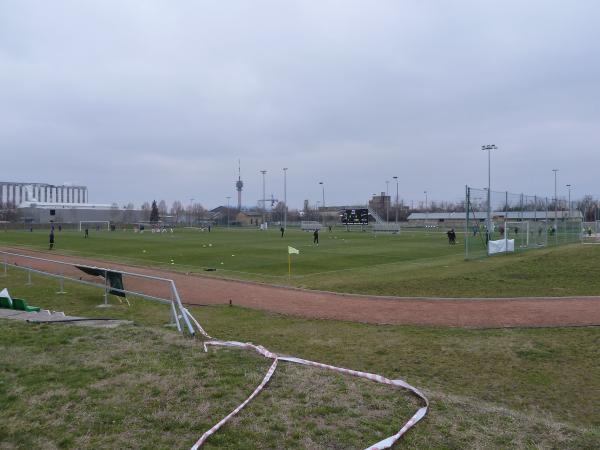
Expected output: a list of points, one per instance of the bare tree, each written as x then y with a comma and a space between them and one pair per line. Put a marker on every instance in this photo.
146, 208
177, 210
162, 208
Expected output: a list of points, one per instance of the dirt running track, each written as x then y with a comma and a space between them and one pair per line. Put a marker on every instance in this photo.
471, 312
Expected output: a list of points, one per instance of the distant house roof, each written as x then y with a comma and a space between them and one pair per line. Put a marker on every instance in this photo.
509, 215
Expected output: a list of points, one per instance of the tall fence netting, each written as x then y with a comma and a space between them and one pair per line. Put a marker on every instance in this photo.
518, 222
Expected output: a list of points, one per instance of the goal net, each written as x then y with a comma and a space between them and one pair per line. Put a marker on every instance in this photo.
519, 231
96, 225
590, 232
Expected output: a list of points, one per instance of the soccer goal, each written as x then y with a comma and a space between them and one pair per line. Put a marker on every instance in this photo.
94, 225
590, 232
519, 231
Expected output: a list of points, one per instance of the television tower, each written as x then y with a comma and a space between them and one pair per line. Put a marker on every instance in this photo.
239, 184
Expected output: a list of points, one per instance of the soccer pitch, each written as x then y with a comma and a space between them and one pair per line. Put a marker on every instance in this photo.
248, 253
413, 263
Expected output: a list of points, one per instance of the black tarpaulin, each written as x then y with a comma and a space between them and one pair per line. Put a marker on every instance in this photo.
115, 279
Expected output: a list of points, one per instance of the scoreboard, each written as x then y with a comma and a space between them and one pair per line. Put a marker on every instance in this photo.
355, 217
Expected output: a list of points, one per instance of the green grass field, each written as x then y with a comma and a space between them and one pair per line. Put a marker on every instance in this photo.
145, 386
410, 264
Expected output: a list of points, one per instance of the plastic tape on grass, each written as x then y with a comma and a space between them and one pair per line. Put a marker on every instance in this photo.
385, 443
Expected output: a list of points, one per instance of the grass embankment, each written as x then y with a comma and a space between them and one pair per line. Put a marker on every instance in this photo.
146, 386
410, 264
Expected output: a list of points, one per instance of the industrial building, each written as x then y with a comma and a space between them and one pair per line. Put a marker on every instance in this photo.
41, 212
12, 194
458, 219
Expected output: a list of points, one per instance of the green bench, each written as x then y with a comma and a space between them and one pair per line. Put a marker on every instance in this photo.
18, 304
5, 303
22, 305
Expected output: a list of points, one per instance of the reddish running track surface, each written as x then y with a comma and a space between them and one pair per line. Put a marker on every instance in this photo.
468, 312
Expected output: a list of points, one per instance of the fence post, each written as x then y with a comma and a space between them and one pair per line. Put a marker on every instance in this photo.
182, 309
61, 283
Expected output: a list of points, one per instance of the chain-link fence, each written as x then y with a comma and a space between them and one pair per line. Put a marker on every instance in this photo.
506, 222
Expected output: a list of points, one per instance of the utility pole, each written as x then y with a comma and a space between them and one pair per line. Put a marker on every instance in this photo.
285, 198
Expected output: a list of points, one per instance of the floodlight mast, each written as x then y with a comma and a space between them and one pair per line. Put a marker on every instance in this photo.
228, 197
489, 149
569, 186
387, 203
396, 178
285, 198
264, 208
555, 207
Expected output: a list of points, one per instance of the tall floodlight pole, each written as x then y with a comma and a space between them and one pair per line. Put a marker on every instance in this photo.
263, 196
387, 203
569, 186
555, 204
227, 211
489, 149
323, 189
426, 208
396, 178
190, 213
285, 198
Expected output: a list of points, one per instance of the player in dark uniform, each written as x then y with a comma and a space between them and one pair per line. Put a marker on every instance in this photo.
51, 239
316, 237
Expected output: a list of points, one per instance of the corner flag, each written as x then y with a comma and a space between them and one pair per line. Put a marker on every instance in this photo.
291, 251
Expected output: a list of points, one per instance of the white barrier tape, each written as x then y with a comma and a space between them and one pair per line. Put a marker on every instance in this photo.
200, 329
383, 444
259, 388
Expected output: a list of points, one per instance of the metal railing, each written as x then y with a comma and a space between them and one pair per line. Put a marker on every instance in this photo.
179, 313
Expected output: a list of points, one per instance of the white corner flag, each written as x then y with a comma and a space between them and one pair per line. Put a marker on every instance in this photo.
291, 251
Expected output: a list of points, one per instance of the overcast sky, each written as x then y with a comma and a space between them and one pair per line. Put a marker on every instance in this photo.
158, 99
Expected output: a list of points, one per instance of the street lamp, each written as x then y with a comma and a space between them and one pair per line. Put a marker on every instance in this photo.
227, 211
396, 178
489, 149
285, 197
263, 196
569, 186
